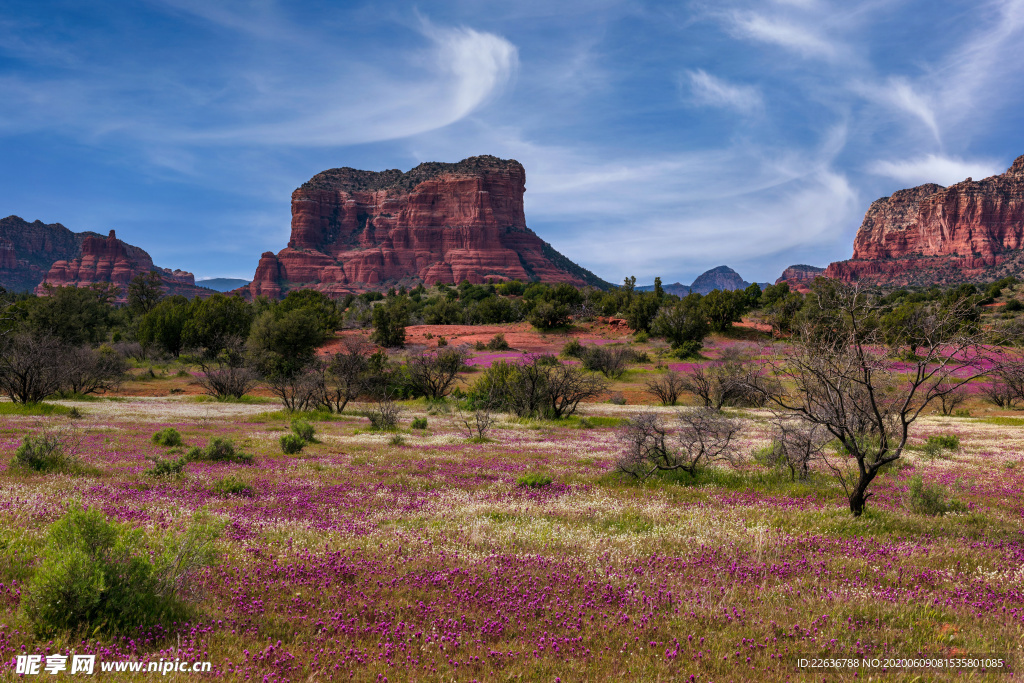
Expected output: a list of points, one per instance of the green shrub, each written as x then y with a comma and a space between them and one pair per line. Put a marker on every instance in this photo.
292, 443
219, 450
498, 343
304, 430
1013, 305
641, 337
419, 423
441, 342
929, 499
44, 453
168, 436
167, 468
480, 346
573, 349
688, 349
97, 575
534, 480
231, 486
948, 442
397, 440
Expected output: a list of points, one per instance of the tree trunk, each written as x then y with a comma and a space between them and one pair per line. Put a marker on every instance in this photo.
858, 498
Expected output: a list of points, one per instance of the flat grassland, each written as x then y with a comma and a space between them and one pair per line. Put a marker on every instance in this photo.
421, 556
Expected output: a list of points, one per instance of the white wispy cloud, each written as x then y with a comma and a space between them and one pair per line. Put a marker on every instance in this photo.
899, 94
782, 33
934, 168
709, 90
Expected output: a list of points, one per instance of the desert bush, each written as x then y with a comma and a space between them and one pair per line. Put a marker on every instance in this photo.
617, 399
703, 436
292, 443
167, 468
548, 315
950, 397
573, 349
46, 452
641, 337
384, 415
480, 346
32, 367
419, 423
539, 386
304, 430
534, 480
441, 342
929, 499
433, 373
397, 440
219, 450
666, 388
89, 370
346, 375
609, 361
231, 486
168, 436
497, 343
97, 575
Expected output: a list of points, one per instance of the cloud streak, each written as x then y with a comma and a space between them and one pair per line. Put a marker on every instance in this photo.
709, 90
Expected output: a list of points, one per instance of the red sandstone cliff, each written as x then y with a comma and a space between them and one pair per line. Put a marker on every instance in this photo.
800, 277
931, 234
108, 259
356, 230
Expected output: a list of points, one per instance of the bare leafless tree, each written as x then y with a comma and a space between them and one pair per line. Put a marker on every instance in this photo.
839, 375
702, 436
345, 376
798, 444
433, 373
1007, 386
226, 374
479, 418
91, 370
950, 400
32, 367
732, 380
568, 386
666, 388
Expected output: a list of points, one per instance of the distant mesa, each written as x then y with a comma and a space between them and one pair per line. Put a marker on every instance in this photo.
800, 276
973, 230
36, 254
354, 231
222, 284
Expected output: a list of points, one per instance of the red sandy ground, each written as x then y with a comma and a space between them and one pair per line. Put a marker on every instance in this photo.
520, 336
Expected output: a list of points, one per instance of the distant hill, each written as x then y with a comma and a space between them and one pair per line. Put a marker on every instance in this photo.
722, 277
222, 284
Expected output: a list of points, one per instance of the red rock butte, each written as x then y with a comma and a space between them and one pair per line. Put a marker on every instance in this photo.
972, 230
355, 230
108, 259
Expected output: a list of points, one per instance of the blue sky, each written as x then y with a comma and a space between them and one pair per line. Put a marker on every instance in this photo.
659, 138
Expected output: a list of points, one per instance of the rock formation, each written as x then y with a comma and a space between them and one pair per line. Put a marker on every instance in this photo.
932, 234
35, 254
108, 259
800, 276
27, 250
357, 230
722, 277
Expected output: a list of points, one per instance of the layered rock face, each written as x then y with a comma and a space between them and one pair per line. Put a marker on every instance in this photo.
27, 250
108, 259
800, 276
934, 234
357, 230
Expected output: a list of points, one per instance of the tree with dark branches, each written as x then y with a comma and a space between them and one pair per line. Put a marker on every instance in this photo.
666, 388
703, 436
840, 375
433, 373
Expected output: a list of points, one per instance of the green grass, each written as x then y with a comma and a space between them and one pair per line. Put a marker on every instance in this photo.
33, 409
1004, 421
